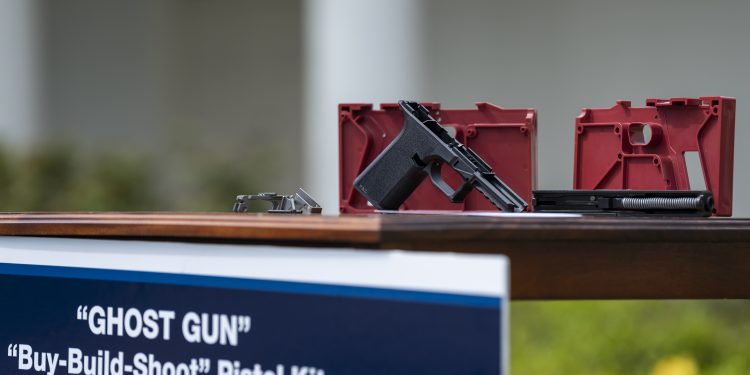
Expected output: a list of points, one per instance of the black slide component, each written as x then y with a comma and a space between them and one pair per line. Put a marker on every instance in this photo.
625, 202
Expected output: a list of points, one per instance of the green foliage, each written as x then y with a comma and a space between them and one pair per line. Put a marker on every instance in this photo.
628, 337
220, 183
57, 177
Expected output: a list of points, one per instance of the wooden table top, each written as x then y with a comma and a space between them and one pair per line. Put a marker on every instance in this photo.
551, 258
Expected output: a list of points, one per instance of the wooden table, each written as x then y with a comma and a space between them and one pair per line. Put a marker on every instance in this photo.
560, 258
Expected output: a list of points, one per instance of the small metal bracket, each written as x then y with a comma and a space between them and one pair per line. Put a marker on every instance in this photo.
298, 203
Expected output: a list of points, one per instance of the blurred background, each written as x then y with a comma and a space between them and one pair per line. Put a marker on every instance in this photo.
183, 104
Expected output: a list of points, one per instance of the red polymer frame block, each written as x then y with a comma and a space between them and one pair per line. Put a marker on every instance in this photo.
612, 149
504, 138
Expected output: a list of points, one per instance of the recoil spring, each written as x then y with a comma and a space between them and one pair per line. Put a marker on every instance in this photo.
662, 203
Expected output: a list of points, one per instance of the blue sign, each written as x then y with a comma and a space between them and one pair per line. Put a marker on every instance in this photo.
121, 308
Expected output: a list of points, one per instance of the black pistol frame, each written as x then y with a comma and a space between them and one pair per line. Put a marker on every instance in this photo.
419, 151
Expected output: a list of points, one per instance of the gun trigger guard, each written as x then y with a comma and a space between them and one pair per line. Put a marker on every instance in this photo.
436, 177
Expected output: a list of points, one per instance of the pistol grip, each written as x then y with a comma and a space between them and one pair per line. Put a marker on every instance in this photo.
391, 178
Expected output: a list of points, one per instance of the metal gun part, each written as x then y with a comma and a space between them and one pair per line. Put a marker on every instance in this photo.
298, 203
626, 202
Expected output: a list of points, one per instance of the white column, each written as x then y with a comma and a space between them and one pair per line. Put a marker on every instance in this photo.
20, 104
355, 51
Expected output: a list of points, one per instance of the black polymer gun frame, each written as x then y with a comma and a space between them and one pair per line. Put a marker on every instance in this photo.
419, 151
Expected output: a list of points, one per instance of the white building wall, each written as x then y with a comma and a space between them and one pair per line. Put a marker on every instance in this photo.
20, 105
356, 51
